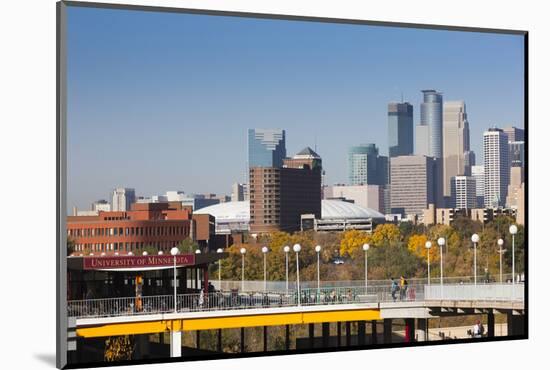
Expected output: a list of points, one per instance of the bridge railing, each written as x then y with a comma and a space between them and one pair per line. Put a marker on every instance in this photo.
479, 292
215, 301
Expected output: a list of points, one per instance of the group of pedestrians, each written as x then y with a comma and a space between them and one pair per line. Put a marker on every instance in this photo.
401, 287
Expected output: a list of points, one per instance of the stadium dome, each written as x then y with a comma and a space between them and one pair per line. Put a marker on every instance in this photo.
330, 209
338, 209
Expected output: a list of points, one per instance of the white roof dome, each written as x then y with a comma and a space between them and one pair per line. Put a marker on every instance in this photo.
338, 209
330, 209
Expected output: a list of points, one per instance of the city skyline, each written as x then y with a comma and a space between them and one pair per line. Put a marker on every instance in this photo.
134, 98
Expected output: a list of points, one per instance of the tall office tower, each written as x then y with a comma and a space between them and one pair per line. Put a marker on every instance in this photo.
469, 162
237, 192
422, 140
123, 198
478, 173
266, 147
279, 196
431, 115
363, 165
514, 133
400, 129
497, 167
413, 184
456, 142
517, 156
463, 192
516, 179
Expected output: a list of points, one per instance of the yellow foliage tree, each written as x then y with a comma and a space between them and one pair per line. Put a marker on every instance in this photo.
417, 246
385, 234
352, 240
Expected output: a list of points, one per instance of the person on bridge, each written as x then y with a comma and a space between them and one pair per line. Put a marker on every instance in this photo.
478, 329
403, 288
394, 289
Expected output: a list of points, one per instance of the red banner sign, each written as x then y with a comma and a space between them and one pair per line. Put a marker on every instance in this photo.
122, 262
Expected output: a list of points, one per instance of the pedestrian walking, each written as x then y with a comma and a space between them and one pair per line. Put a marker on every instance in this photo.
394, 289
403, 285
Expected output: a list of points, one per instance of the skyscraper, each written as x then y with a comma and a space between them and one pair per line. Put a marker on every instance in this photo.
517, 156
266, 147
363, 164
123, 198
516, 179
497, 167
478, 173
413, 184
514, 133
456, 142
463, 192
400, 129
431, 115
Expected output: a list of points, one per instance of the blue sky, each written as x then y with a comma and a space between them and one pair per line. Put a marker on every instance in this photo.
162, 101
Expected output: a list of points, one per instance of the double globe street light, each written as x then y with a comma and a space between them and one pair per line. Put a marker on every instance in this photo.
286, 249
174, 252
318, 250
297, 248
366, 249
428, 246
475, 240
264, 251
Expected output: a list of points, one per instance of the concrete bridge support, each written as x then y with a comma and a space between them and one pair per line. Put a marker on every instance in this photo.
422, 331
516, 324
374, 332
409, 330
490, 324
388, 330
326, 334
175, 344
361, 330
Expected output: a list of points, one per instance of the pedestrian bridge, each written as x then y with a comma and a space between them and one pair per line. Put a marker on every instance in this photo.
225, 310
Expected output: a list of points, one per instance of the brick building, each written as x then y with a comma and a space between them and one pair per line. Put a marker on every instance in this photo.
159, 225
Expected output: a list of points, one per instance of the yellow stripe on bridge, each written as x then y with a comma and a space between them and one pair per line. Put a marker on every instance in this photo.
229, 322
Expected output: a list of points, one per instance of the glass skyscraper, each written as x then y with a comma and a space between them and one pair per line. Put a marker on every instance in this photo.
431, 115
363, 165
266, 147
400, 129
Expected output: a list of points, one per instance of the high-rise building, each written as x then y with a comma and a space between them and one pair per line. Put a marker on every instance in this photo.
456, 142
478, 173
520, 213
362, 164
400, 129
413, 184
431, 115
463, 192
514, 133
497, 167
366, 167
516, 179
280, 195
469, 162
237, 192
266, 147
517, 156
123, 198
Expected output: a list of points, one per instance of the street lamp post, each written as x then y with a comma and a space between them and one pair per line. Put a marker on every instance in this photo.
219, 250
174, 252
286, 249
297, 249
441, 243
513, 230
318, 250
243, 252
264, 251
475, 240
366, 249
500, 243
428, 245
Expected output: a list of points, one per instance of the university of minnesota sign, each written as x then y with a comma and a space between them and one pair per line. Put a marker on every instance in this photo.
124, 262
